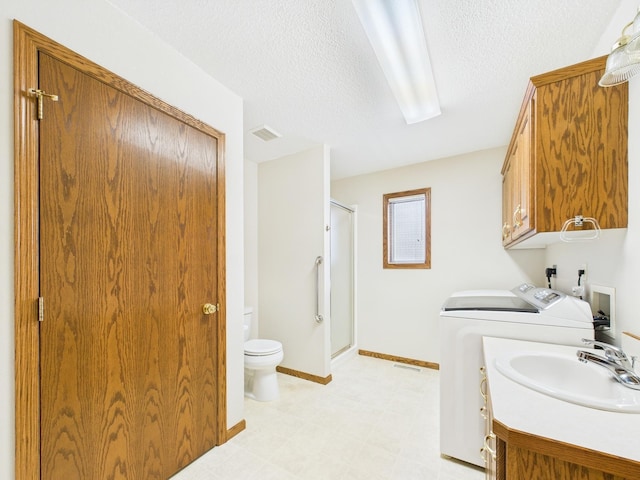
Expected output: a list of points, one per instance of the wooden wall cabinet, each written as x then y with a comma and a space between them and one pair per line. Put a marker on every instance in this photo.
567, 155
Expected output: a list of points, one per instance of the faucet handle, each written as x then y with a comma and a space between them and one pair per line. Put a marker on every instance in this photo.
610, 351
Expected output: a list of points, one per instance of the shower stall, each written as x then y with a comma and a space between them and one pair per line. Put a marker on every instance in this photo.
342, 267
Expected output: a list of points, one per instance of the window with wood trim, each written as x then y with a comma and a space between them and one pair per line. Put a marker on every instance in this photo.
407, 229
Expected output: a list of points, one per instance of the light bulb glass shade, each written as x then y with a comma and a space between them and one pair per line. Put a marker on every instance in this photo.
622, 64
624, 60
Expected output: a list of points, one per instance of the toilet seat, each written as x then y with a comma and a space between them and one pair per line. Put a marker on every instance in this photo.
261, 347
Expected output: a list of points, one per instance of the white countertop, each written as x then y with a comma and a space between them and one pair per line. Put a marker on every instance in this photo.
520, 408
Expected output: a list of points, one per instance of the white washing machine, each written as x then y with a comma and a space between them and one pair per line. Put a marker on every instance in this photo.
524, 313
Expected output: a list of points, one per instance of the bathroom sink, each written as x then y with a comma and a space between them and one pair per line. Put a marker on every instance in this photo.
563, 377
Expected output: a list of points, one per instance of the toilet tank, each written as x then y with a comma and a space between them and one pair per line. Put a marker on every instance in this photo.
248, 313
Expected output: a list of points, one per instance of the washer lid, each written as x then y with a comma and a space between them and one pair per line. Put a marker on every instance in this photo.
261, 346
489, 303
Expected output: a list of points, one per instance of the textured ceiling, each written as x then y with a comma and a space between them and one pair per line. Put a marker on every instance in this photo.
305, 68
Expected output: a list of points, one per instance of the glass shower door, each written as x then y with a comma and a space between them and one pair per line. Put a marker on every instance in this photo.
342, 279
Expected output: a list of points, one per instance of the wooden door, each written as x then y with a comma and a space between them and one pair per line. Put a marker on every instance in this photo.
128, 257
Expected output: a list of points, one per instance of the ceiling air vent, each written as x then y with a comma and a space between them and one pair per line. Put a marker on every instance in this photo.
265, 133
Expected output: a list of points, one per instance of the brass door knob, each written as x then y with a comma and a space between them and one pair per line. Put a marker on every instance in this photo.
209, 308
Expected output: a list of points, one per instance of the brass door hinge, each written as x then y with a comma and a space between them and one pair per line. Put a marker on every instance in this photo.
40, 309
40, 94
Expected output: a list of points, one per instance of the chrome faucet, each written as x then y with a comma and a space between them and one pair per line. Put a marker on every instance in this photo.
615, 360
612, 353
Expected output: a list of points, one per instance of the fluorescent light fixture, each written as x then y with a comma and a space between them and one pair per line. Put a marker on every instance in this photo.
394, 28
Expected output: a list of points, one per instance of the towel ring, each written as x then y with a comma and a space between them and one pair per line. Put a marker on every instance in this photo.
579, 221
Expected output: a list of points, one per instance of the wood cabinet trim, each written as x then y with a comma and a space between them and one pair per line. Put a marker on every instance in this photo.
524, 111
567, 452
565, 73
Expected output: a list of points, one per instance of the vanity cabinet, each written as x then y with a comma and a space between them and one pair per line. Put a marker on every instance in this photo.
521, 455
515, 455
567, 156
540, 437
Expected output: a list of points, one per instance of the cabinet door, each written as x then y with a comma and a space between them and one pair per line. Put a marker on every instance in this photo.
523, 192
488, 450
507, 202
517, 183
581, 157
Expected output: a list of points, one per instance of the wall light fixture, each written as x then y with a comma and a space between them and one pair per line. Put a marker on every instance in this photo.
624, 60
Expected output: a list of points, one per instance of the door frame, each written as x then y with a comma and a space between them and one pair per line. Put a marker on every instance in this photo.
27, 44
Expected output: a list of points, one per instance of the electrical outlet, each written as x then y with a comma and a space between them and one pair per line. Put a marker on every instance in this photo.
583, 267
550, 272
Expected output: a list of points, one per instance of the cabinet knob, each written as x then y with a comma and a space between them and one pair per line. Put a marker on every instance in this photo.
517, 217
506, 230
486, 448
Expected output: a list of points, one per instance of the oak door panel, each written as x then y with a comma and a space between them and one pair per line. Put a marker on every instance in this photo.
128, 258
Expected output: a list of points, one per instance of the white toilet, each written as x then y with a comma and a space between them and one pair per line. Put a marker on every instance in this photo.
261, 357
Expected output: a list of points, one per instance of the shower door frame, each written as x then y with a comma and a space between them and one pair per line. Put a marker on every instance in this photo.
354, 309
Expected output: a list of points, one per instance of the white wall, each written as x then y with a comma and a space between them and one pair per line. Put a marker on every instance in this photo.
251, 243
293, 211
95, 29
398, 309
614, 260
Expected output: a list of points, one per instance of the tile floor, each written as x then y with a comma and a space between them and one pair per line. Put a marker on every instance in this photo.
376, 420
